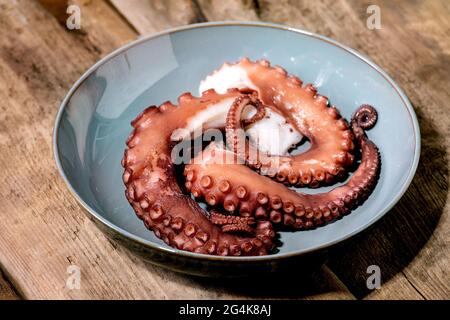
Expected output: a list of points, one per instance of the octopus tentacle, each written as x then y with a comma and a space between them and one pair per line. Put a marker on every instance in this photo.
233, 223
366, 116
235, 134
332, 147
268, 200
153, 191
250, 205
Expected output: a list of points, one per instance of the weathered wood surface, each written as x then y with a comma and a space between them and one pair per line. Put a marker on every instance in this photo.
43, 229
411, 244
7, 291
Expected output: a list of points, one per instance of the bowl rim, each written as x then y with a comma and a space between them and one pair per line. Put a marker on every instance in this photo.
169, 250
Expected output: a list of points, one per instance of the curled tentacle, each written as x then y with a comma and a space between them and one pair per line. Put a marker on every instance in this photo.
260, 112
235, 134
332, 142
153, 191
270, 200
251, 205
366, 117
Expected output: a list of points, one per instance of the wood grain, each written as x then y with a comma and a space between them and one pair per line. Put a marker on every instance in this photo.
44, 230
216, 10
411, 245
152, 16
7, 291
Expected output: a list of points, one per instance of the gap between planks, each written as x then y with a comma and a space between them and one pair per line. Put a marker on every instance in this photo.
39, 207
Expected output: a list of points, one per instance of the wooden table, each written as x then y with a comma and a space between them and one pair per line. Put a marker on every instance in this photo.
43, 230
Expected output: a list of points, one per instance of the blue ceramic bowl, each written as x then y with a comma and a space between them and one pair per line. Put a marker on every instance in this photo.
94, 121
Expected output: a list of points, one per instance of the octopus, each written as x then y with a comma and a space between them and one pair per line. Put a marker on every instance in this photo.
309, 113
246, 179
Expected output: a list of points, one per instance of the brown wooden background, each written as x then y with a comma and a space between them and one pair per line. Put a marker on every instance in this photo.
43, 230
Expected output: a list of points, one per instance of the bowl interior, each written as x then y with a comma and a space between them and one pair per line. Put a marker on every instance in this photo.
95, 119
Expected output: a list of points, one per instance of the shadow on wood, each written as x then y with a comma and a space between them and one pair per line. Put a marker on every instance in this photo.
7, 291
312, 281
395, 240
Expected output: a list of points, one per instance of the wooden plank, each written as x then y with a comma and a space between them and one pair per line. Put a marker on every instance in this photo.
411, 244
217, 10
43, 229
7, 291
156, 15
140, 15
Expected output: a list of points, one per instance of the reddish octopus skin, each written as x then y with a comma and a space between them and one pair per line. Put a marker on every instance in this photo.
241, 190
153, 192
331, 151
